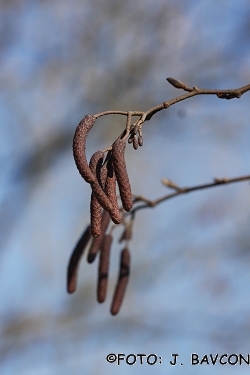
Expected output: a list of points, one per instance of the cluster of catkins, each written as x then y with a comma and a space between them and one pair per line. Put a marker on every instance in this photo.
102, 175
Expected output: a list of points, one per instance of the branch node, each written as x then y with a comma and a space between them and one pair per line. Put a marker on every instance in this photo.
166, 104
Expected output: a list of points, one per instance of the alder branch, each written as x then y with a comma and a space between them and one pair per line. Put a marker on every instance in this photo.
102, 175
145, 116
182, 190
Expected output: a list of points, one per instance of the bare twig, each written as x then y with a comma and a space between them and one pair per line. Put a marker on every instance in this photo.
222, 94
179, 190
146, 116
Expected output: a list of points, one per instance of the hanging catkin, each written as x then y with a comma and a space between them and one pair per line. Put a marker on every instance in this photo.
95, 165
135, 143
103, 268
97, 242
110, 189
79, 147
75, 260
118, 151
122, 281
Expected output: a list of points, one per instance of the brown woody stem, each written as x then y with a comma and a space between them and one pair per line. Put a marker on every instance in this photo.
217, 182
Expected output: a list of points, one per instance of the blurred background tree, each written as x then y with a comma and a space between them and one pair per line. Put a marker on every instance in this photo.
188, 292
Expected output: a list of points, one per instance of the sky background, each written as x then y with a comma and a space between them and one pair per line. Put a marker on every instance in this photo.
189, 286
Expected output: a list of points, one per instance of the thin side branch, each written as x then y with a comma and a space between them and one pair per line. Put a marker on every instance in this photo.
145, 116
147, 203
222, 94
125, 113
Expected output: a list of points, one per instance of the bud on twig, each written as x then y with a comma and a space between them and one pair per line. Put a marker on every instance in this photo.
170, 184
176, 83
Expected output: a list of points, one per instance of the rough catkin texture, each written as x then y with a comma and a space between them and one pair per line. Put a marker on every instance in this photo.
95, 216
120, 169
135, 143
103, 175
140, 140
95, 165
122, 282
97, 242
110, 189
75, 260
79, 147
134, 130
103, 268
101, 196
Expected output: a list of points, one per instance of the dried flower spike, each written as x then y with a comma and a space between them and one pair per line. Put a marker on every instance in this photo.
110, 189
97, 242
103, 268
118, 150
75, 260
135, 143
122, 281
79, 147
95, 165
95, 216
140, 140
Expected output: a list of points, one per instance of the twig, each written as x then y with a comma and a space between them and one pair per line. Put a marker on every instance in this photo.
222, 94
152, 203
145, 116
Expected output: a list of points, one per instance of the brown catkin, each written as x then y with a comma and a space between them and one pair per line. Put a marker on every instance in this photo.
79, 147
103, 268
135, 143
101, 196
95, 165
118, 150
134, 130
110, 189
140, 140
75, 260
122, 281
95, 216
130, 140
97, 242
